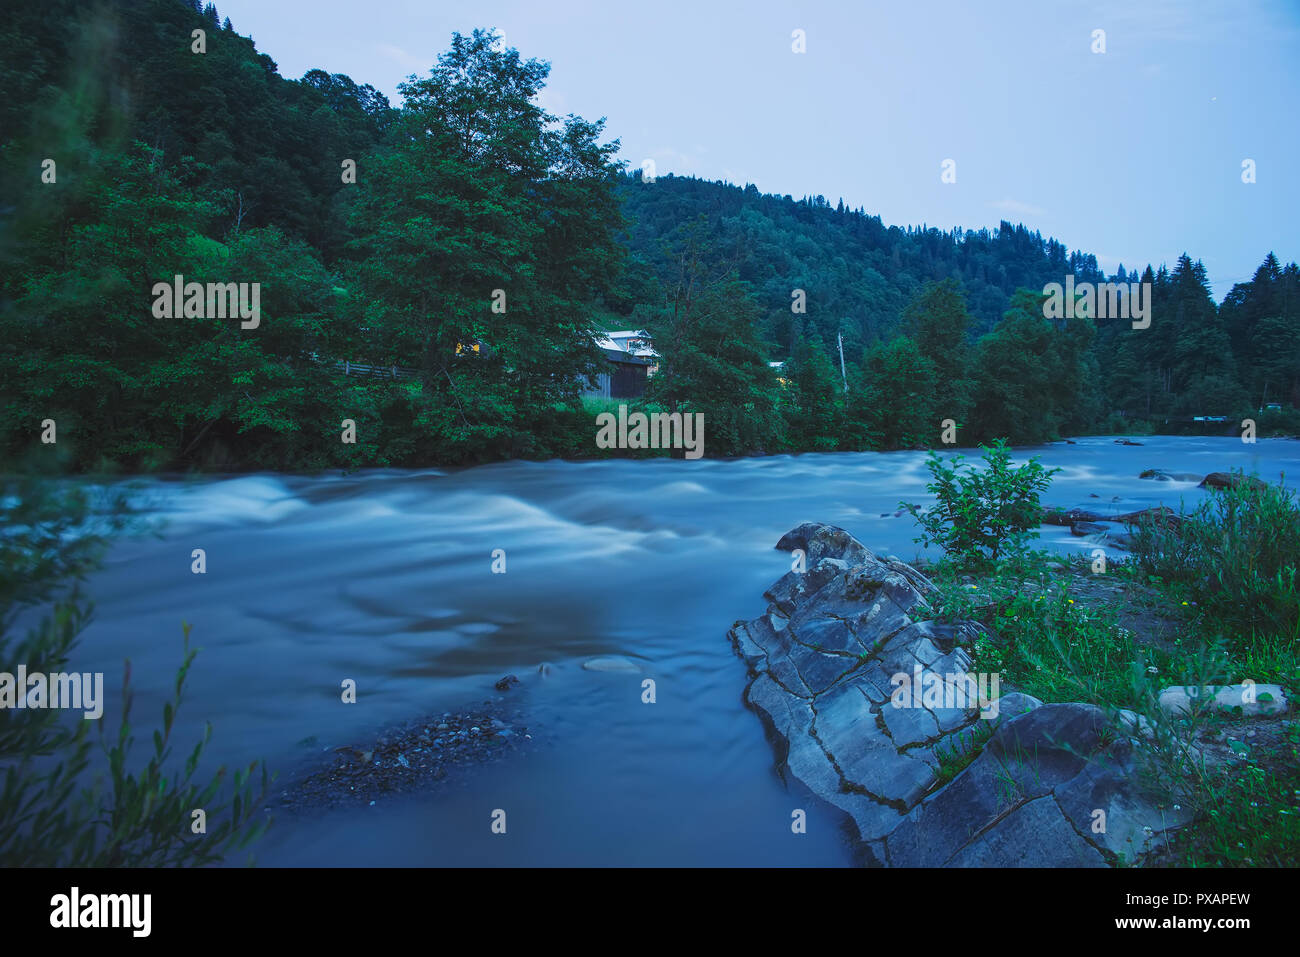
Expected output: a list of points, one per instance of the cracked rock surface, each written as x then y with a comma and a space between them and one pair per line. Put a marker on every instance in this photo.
822, 657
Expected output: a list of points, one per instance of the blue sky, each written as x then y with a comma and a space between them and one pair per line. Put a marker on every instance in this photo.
1134, 154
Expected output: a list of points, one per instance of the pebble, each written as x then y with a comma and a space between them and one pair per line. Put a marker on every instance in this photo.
405, 759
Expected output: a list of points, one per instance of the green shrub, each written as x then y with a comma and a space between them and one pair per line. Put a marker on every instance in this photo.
982, 515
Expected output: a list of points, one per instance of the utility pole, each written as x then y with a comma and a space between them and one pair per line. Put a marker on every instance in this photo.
843, 375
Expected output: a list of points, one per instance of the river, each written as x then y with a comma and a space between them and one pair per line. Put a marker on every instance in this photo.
386, 577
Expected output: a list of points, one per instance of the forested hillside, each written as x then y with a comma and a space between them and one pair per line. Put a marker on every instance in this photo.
398, 236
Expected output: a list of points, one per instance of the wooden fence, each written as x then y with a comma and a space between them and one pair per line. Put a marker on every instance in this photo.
390, 372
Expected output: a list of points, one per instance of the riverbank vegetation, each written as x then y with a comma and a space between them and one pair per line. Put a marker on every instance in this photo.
73, 794
403, 237
1207, 599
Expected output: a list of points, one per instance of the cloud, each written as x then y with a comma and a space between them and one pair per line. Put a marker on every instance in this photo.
1017, 208
669, 160
553, 101
404, 59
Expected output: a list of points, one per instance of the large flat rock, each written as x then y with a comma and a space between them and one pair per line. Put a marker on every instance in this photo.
865, 696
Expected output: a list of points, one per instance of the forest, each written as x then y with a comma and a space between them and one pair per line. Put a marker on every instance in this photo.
398, 235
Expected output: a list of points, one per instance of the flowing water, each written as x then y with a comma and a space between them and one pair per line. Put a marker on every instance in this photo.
386, 577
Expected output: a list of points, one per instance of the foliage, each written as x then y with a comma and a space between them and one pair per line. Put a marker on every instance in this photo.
713, 363
211, 167
983, 514
1033, 377
55, 810
1237, 553
1050, 635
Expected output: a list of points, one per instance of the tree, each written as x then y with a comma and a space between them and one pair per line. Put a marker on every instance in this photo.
937, 321
713, 361
1202, 350
898, 400
816, 394
487, 221
1031, 372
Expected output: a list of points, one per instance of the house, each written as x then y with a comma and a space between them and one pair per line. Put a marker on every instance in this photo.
630, 362
635, 342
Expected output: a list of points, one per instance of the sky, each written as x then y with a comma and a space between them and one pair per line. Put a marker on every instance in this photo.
1134, 154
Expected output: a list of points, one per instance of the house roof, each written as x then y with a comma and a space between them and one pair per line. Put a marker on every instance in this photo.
627, 358
610, 340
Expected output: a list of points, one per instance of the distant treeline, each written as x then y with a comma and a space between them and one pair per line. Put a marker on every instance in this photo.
134, 150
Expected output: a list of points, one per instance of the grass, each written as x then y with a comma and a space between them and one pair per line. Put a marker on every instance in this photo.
955, 759
1211, 599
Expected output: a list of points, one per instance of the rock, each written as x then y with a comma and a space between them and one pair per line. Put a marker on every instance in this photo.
1126, 442
1134, 724
1253, 700
1160, 475
1221, 480
506, 683
1080, 529
1161, 516
1068, 517
864, 696
819, 541
612, 664
1015, 704
1031, 798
